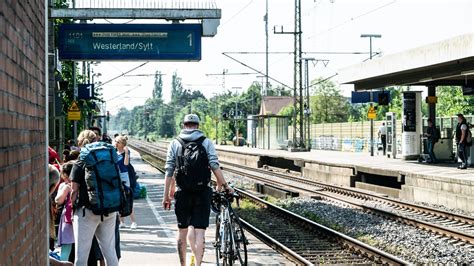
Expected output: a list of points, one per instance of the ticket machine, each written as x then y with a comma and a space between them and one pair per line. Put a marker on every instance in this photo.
411, 125
391, 123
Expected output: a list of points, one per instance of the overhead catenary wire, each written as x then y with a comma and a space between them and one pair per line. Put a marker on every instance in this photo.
123, 74
237, 13
254, 69
123, 93
352, 19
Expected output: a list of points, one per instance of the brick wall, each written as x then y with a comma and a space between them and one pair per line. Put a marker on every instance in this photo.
23, 208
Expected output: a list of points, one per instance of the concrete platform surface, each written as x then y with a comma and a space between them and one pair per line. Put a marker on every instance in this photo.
154, 241
378, 164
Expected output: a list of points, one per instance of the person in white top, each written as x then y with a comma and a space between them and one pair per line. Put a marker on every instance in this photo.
383, 136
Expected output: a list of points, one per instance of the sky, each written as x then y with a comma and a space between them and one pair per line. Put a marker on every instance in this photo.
329, 28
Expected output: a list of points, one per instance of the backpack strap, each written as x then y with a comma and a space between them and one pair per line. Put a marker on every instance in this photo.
179, 156
99, 185
200, 140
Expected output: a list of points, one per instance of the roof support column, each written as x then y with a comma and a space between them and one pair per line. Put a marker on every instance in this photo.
432, 106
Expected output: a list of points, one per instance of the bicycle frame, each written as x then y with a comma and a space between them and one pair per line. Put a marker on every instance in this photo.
226, 244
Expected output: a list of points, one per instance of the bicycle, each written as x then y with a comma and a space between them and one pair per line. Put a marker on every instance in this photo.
230, 244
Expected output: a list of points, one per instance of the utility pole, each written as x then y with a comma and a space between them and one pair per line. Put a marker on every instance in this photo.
307, 109
266, 48
236, 117
216, 116
74, 85
307, 104
370, 36
299, 143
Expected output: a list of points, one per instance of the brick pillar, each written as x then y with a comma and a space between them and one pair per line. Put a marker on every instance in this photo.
23, 207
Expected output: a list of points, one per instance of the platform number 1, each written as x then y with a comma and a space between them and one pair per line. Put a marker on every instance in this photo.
190, 37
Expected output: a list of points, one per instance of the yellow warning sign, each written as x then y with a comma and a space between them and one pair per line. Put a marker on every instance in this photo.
74, 113
74, 107
371, 114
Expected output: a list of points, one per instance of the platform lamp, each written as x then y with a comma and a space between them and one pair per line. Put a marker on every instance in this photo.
370, 36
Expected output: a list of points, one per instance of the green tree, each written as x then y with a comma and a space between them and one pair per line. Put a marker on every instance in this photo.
451, 101
328, 104
158, 86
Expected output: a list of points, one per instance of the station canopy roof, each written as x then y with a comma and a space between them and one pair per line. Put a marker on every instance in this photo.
449, 62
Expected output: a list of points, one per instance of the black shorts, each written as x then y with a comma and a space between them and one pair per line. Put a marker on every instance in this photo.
193, 208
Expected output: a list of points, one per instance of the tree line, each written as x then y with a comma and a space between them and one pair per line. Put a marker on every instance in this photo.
157, 119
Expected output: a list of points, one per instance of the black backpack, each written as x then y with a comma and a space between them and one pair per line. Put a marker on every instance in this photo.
192, 166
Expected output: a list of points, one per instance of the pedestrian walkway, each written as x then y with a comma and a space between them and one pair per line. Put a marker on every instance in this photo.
154, 241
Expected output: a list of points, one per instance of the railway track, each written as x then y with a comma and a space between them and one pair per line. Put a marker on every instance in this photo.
297, 238
305, 241
447, 224
458, 227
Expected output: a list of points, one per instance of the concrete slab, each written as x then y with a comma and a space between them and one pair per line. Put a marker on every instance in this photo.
442, 183
379, 165
154, 241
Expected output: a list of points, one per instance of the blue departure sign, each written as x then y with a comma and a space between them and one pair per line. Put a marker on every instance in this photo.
381, 97
169, 42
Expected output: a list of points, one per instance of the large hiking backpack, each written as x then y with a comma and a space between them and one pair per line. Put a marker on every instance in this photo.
192, 164
104, 186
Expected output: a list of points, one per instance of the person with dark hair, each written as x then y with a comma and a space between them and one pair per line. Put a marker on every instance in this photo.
383, 136
433, 137
63, 197
73, 155
461, 140
97, 132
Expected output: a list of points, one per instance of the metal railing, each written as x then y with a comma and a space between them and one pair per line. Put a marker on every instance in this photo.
150, 4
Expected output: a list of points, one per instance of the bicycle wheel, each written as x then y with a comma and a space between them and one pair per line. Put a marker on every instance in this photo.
240, 242
218, 243
229, 250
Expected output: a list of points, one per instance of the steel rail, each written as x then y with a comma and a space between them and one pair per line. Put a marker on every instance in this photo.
334, 193
348, 243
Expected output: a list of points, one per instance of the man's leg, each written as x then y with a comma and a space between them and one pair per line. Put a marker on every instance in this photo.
384, 142
430, 151
463, 155
181, 245
192, 239
105, 234
84, 228
200, 245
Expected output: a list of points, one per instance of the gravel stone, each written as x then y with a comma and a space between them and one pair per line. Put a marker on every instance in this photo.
407, 242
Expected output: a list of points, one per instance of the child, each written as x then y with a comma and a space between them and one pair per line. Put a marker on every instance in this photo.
65, 232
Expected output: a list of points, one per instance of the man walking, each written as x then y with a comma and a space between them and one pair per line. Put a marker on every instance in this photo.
190, 159
383, 136
433, 137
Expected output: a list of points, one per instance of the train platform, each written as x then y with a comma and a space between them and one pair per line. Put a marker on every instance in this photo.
440, 183
154, 240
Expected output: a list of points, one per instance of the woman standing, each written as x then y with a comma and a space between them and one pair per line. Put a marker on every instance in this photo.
123, 162
461, 140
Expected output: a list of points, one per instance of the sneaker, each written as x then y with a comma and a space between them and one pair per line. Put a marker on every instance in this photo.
133, 225
122, 225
